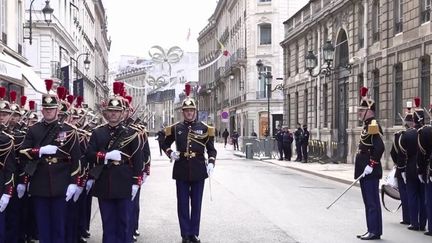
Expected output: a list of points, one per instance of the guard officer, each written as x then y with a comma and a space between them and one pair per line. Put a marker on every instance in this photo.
115, 151
408, 142
279, 140
287, 140
305, 143
192, 139
52, 154
298, 136
7, 156
368, 166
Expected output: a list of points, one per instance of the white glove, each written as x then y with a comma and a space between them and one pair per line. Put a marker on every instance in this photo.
112, 155
77, 194
174, 156
368, 170
4, 201
403, 174
47, 149
21, 189
89, 185
210, 168
71, 190
421, 179
134, 191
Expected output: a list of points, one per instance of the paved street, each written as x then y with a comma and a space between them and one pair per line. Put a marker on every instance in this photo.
255, 201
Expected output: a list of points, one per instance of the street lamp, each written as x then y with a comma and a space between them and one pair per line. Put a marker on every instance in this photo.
268, 82
87, 62
312, 61
47, 12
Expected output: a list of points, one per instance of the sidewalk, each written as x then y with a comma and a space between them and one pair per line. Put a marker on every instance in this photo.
343, 173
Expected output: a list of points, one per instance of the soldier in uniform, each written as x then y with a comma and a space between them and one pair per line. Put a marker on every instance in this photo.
401, 178
408, 142
192, 139
52, 153
15, 212
32, 117
287, 140
7, 157
115, 151
425, 164
368, 166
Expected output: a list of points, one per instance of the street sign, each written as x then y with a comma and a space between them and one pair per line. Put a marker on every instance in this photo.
225, 116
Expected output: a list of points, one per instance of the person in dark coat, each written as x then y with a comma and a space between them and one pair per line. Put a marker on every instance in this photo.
225, 136
298, 136
160, 137
287, 139
305, 143
235, 137
368, 166
192, 138
279, 141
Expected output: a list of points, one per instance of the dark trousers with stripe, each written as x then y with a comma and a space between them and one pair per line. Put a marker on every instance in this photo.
72, 216
416, 202
404, 200
189, 196
85, 213
2, 227
14, 211
51, 219
134, 215
370, 193
115, 214
429, 204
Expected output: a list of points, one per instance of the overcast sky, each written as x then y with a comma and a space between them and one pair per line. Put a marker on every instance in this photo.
136, 25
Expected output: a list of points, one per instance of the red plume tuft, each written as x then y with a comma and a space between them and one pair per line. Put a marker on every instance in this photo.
226, 53
79, 102
32, 105
188, 89
70, 99
48, 84
23, 100
363, 91
417, 102
2, 92
129, 98
117, 88
13, 96
61, 92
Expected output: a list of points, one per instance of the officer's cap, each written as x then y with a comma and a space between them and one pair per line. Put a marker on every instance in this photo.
4, 104
366, 102
49, 100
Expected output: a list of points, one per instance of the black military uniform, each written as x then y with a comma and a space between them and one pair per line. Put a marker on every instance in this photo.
408, 142
115, 180
287, 140
395, 154
53, 153
368, 167
192, 139
7, 159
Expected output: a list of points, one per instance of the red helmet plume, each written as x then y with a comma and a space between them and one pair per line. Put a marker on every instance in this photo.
188, 89
117, 88
23, 100
13, 96
61, 92
48, 84
2, 92
363, 91
70, 99
79, 102
417, 102
32, 105
129, 98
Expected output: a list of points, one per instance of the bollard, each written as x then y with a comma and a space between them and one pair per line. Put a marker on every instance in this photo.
249, 151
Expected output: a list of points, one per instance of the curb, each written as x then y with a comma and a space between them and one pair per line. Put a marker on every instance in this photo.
333, 178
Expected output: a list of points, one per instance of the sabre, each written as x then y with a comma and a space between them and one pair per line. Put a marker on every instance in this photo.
210, 189
343, 193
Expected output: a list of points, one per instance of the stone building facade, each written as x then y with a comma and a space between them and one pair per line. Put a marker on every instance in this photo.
249, 31
384, 45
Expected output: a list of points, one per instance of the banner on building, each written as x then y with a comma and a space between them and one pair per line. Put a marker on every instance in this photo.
64, 74
203, 115
78, 87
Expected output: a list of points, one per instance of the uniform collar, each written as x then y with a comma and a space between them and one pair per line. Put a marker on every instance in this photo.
188, 123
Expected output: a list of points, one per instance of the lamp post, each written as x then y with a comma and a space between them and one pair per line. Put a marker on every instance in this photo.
47, 12
86, 62
268, 82
312, 61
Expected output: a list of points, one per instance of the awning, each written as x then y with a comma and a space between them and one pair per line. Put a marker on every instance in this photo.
10, 67
33, 79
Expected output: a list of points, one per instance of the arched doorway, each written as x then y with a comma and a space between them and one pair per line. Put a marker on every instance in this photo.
341, 94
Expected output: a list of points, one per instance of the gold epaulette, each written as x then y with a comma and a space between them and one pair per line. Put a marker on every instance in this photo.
373, 128
168, 129
210, 129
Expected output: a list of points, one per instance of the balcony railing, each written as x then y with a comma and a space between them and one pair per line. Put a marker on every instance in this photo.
219, 73
235, 58
226, 103
236, 100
